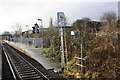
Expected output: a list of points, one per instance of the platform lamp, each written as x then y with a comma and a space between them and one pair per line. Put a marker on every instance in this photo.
74, 33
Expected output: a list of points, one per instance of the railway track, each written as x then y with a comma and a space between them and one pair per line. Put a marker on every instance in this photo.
20, 67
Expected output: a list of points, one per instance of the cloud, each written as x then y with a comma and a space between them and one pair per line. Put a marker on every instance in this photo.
28, 11
87, 0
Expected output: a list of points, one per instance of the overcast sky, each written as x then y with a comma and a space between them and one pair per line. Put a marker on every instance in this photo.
26, 12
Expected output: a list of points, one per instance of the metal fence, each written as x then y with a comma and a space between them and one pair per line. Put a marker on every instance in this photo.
29, 41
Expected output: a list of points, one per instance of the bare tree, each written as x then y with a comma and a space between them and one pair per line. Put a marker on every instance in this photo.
108, 18
17, 29
109, 27
67, 21
81, 24
51, 23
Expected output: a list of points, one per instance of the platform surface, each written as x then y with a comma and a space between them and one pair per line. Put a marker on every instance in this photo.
0, 61
35, 53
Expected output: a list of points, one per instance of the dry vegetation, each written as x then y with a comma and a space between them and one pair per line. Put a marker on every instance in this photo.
101, 47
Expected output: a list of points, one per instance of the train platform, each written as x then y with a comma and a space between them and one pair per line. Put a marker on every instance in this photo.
35, 53
0, 61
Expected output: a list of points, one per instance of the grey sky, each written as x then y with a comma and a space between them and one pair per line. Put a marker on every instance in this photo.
26, 12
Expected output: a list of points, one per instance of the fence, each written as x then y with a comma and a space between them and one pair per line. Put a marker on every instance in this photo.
29, 41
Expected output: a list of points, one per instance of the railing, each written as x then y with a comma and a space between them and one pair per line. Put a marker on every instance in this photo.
29, 41
82, 65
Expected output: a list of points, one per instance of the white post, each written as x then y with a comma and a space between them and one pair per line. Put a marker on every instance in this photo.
66, 55
62, 48
81, 55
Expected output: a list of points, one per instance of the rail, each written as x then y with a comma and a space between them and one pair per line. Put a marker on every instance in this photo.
21, 68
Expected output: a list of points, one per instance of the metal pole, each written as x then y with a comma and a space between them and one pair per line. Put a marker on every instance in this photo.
66, 55
42, 27
15, 36
27, 34
42, 44
81, 55
28, 30
62, 49
36, 40
42, 32
61, 23
21, 34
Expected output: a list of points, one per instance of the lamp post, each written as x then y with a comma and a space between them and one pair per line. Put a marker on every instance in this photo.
27, 31
27, 34
73, 33
42, 42
21, 34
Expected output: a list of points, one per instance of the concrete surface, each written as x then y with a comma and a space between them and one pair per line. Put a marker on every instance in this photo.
0, 61
35, 53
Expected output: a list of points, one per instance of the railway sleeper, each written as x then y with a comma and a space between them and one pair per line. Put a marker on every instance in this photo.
22, 70
23, 76
20, 64
19, 67
27, 73
34, 78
